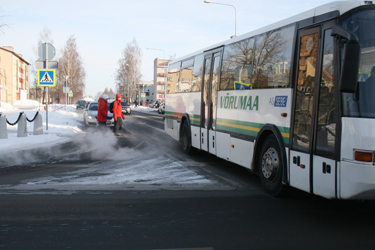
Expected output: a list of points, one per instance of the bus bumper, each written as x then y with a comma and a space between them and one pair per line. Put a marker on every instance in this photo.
356, 181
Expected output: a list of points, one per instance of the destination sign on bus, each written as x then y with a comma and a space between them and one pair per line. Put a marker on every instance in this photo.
240, 102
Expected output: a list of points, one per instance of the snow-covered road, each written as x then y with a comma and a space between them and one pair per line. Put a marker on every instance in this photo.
111, 167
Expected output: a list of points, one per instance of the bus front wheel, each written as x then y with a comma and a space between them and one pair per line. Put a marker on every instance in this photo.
271, 166
186, 139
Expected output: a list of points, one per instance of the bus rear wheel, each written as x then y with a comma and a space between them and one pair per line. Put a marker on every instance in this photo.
271, 166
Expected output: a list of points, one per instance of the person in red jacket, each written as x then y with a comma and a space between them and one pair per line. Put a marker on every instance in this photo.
102, 112
117, 114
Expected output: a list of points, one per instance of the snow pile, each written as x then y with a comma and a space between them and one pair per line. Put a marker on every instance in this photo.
26, 104
63, 122
6, 107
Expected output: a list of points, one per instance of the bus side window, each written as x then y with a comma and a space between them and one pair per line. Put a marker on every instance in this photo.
326, 129
173, 77
259, 62
197, 73
235, 67
272, 58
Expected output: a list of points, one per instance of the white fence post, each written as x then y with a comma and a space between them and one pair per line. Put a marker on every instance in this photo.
22, 126
38, 125
3, 127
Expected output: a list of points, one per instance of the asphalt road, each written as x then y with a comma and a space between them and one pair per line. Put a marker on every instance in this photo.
42, 208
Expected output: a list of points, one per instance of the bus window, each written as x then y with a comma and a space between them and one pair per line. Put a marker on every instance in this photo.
173, 77
262, 64
206, 91
186, 76
326, 129
273, 53
362, 103
197, 73
214, 88
237, 61
305, 91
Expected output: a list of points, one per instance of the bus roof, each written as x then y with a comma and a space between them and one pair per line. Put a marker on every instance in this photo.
340, 6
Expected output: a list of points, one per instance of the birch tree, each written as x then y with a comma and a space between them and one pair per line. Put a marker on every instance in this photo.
71, 67
128, 74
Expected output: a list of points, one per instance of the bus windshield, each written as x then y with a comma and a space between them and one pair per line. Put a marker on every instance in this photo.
362, 103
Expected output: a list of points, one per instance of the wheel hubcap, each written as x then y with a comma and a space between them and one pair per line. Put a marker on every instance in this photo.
270, 164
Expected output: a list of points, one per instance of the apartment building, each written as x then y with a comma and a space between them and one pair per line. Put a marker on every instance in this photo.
160, 76
14, 76
145, 91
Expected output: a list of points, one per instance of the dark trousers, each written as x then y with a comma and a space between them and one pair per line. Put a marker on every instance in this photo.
102, 127
118, 124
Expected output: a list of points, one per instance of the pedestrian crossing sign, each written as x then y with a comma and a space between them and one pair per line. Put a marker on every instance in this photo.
46, 77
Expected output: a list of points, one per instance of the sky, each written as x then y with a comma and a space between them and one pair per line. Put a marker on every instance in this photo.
103, 28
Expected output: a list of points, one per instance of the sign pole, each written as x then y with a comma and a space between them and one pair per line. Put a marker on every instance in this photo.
46, 77
66, 92
47, 89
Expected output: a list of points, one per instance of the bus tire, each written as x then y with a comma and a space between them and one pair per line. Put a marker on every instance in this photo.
186, 139
271, 166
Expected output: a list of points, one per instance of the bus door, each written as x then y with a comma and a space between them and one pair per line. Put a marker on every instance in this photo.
210, 88
312, 159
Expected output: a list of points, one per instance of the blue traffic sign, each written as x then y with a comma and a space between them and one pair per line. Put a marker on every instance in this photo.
46, 77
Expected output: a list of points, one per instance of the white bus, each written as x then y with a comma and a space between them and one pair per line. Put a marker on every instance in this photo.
293, 102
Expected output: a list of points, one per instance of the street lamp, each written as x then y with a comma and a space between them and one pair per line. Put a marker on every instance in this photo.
235, 14
157, 49
66, 90
143, 91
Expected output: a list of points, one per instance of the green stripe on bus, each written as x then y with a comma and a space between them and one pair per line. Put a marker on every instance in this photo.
195, 119
171, 115
248, 128
236, 126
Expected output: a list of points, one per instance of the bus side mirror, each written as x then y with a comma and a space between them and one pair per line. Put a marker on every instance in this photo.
350, 61
350, 67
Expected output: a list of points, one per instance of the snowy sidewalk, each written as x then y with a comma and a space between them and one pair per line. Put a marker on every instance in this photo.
63, 123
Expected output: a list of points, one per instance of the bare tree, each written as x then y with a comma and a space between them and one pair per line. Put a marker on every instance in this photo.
71, 66
45, 36
109, 92
2, 25
128, 74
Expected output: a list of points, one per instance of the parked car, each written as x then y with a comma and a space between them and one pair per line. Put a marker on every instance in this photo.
81, 104
90, 114
125, 108
151, 104
161, 108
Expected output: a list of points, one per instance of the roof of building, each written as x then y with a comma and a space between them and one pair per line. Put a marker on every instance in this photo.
9, 49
